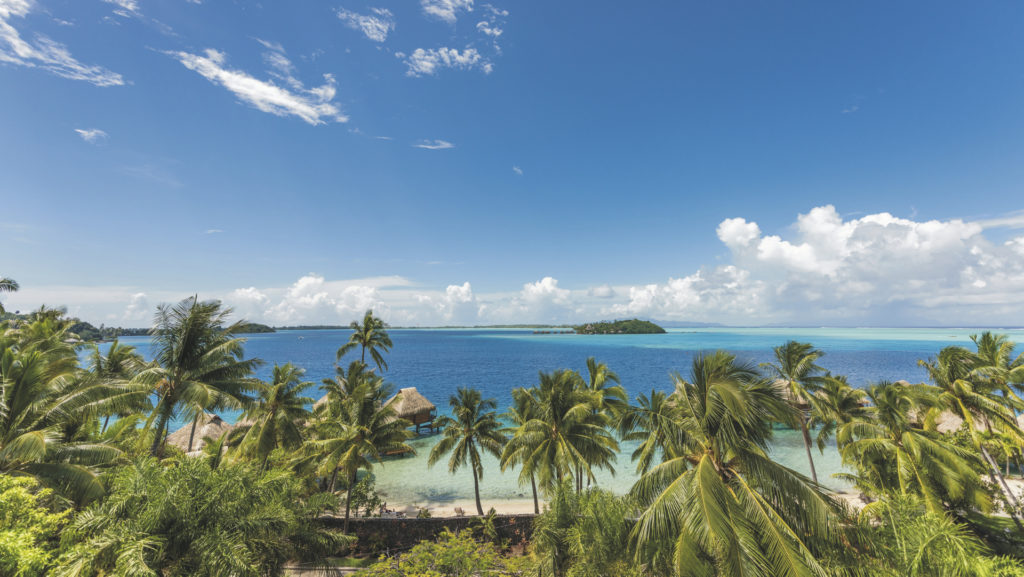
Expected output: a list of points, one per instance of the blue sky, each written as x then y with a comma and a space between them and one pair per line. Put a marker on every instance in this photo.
568, 160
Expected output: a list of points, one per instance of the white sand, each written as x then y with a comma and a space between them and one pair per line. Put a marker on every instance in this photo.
468, 506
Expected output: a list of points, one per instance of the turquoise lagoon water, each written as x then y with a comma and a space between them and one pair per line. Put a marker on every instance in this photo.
437, 361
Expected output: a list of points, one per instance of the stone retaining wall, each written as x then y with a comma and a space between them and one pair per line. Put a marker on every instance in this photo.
383, 535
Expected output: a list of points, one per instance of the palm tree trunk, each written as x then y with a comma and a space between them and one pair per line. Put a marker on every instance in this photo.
536, 506
348, 500
161, 425
105, 423
192, 433
334, 478
807, 447
1013, 506
476, 492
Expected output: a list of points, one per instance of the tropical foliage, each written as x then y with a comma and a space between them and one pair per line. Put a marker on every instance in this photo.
192, 519
28, 527
355, 429
370, 335
199, 364
474, 428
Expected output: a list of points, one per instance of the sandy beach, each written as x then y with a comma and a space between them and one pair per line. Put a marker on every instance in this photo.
468, 506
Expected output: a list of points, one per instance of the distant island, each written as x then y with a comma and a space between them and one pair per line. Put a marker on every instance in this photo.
630, 327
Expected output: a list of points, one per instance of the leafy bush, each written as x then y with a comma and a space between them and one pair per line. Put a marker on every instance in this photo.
452, 555
28, 528
191, 519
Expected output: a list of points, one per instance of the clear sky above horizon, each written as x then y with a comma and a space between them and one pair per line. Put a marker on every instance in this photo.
461, 162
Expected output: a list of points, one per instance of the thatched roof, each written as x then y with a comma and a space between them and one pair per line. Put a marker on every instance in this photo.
209, 426
320, 402
782, 387
408, 402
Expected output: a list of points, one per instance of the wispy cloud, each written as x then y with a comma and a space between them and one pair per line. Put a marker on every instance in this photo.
489, 28
851, 109
517, 170
446, 10
375, 26
125, 8
314, 105
434, 144
1012, 220
92, 135
44, 53
427, 62
213, 231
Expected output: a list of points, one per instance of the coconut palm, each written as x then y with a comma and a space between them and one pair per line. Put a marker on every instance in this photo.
611, 398
371, 335
725, 506
996, 367
565, 433
356, 428
475, 427
199, 366
120, 364
45, 403
796, 372
652, 422
837, 404
893, 456
276, 420
523, 409
7, 285
953, 373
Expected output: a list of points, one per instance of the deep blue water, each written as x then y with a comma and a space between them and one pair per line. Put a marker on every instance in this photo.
496, 361
436, 362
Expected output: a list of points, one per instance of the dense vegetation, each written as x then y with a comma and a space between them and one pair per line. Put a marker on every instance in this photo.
626, 327
90, 486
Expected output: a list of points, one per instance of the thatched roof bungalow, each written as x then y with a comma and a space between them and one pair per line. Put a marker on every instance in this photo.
209, 425
410, 405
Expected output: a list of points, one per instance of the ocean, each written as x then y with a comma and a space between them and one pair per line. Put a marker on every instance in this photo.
495, 361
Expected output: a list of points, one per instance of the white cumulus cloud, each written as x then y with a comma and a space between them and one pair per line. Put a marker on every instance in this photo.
446, 10
877, 269
44, 53
374, 26
427, 62
314, 105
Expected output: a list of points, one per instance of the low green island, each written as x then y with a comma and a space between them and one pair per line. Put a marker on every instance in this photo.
626, 327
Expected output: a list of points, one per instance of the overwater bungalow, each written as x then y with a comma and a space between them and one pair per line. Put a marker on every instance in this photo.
410, 405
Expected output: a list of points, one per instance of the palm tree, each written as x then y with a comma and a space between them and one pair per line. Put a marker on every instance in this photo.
475, 427
372, 335
200, 365
726, 507
795, 370
523, 409
652, 422
120, 364
954, 373
356, 428
565, 433
611, 398
997, 368
277, 418
7, 285
45, 402
837, 404
892, 456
